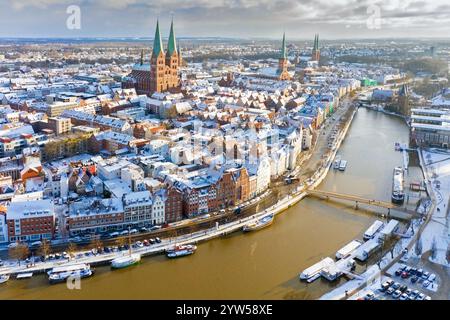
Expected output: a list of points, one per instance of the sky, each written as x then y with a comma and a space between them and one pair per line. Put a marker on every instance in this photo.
300, 19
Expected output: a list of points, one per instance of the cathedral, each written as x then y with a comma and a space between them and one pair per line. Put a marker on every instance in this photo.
162, 73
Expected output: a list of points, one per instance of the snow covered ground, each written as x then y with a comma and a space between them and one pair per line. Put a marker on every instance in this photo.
437, 165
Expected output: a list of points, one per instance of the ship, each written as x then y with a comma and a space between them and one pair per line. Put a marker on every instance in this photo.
259, 224
4, 278
181, 251
62, 274
398, 194
337, 162
125, 261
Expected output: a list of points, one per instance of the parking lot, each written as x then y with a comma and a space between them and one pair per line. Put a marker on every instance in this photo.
404, 282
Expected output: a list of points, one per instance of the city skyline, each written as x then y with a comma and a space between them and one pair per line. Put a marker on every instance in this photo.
227, 18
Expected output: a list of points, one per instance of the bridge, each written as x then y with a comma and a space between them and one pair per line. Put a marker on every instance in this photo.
377, 203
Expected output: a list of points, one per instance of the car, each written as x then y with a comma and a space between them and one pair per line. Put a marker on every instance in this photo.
158, 240
396, 285
58, 256
403, 288
114, 234
426, 283
369, 296
413, 271
432, 277
124, 233
419, 272
425, 275
122, 248
384, 286
405, 275
427, 298
415, 293
404, 296
139, 244
390, 290
155, 228
396, 294
106, 250
143, 230
152, 241
407, 269
414, 279
421, 296
398, 272
146, 243
133, 231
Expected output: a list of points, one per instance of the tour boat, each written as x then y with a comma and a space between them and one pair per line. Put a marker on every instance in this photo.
181, 251
261, 223
342, 165
61, 274
398, 194
125, 261
4, 278
337, 162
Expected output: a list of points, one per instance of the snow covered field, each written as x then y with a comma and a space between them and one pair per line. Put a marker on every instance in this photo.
437, 165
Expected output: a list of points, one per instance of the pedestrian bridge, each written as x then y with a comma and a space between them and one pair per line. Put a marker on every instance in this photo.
358, 200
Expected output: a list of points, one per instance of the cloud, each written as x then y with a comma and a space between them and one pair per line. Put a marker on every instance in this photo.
236, 17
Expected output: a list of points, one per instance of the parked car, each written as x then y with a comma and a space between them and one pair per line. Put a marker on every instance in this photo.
396, 294
421, 296
398, 272
403, 288
146, 243
133, 231
404, 296
405, 275
414, 279
143, 230
426, 283
124, 233
415, 293
419, 272
390, 290
396, 285
369, 296
152, 241
432, 277
139, 244
158, 240
425, 275
155, 228
427, 298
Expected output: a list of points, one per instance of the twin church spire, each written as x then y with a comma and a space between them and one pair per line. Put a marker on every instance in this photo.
158, 44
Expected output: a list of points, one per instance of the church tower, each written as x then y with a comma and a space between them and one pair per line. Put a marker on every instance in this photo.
316, 50
283, 73
157, 64
172, 60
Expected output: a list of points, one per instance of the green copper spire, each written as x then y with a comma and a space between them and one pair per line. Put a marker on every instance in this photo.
283, 48
172, 45
157, 42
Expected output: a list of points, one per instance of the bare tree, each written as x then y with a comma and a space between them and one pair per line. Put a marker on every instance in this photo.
72, 248
19, 252
418, 247
44, 249
447, 255
433, 249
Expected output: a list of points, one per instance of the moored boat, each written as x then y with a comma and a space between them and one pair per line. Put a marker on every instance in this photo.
61, 274
259, 224
181, 251
337, 162
398, 194
4, 278
125, 261
342, 165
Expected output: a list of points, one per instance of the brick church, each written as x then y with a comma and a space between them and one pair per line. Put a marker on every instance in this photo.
162, 73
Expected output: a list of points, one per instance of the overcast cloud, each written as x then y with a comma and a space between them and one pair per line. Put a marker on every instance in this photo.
229, 18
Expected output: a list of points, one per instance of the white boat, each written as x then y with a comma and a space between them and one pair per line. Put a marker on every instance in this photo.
373, 229
348, 249
343, 165
261, 223
4, 278
366, 249
181, 251
25, 275
125, 261
61, 274
337, 162
315, 270
398, 193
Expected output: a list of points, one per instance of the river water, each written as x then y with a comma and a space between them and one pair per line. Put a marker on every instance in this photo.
263, 264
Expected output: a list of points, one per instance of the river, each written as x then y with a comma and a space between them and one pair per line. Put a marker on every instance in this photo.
263, 264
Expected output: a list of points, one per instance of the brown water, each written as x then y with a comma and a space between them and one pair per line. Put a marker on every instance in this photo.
263, 264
